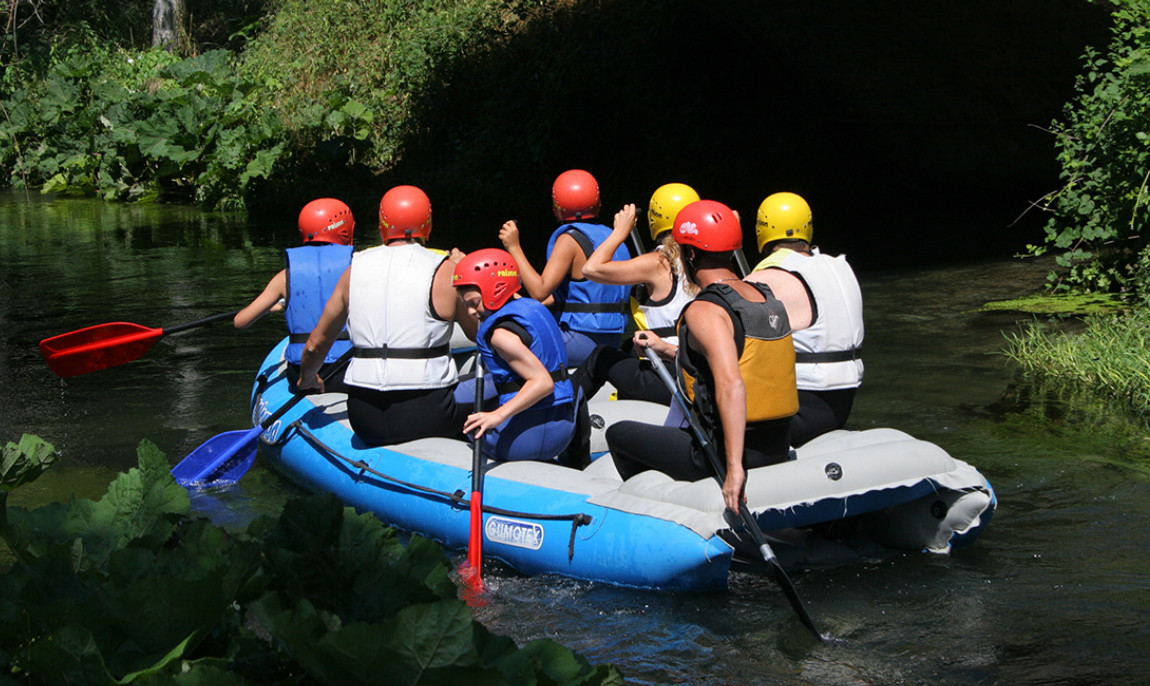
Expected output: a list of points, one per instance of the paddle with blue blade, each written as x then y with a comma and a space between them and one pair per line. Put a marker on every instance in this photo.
107, 345
224, 458
749, 521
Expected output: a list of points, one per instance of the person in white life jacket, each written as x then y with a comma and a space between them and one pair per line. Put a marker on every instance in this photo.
589, 313
659, 291
824, 302
399, 306
522, 347
301, 289
736, 365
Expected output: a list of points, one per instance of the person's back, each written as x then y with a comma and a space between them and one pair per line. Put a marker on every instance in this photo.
659, 292
829, 368
399, 307
735, 358
302, 288
401, 342
589, 313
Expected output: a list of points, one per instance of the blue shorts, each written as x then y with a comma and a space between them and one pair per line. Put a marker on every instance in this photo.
580, 344
537, 433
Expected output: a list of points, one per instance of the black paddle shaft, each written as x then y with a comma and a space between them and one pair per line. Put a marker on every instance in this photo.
200, 322
708, 447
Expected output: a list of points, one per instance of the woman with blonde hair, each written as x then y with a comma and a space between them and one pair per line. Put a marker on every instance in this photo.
659, 293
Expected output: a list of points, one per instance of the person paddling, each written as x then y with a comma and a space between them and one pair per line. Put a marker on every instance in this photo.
736, 363
301, 289
589, 313
399, 307
522, 346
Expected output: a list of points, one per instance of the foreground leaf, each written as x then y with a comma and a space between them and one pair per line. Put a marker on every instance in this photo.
140, 507
24, 462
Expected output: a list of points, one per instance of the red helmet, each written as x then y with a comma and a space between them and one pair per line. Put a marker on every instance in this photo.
326, 220
575, 195
404, 212
708, 225
495, 273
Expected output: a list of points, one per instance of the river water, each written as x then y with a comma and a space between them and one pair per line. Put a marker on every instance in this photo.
1055, 591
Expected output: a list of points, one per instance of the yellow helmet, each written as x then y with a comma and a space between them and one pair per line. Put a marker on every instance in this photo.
666, 202
783, 216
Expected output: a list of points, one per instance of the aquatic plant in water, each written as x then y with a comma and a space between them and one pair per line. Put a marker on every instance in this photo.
1111, 357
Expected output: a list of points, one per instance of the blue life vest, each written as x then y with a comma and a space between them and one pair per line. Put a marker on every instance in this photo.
583, 305
546, 344
312, 273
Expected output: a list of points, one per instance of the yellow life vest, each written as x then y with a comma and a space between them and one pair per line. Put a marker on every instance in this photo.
766, 356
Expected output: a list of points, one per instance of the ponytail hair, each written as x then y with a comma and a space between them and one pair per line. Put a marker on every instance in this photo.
669, 249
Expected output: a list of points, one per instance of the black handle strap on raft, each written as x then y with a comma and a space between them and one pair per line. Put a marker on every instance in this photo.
577, 520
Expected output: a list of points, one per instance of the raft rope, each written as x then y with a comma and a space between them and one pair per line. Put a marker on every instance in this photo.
577, 520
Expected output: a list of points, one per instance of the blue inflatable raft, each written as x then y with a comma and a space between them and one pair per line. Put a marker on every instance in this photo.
883, 488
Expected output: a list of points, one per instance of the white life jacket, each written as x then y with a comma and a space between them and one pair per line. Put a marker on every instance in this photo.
828, 352
661, 316
400, 342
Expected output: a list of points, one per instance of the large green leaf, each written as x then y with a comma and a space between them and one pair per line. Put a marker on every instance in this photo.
350, 564
141, 506
204, 69
24, 462
545, 661
69, 656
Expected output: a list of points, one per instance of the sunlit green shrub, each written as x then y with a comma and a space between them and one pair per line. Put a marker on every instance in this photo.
140, 130
351, 71
1101, 215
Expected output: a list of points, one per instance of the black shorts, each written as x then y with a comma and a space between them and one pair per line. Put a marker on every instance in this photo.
389, 417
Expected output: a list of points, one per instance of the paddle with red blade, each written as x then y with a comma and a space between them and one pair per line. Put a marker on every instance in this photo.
224, 458
472, 570
108, 345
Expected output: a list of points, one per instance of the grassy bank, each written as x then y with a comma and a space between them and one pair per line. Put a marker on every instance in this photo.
1110, 357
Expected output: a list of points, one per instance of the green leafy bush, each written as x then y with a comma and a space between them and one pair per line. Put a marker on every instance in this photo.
129, 589
321, 90
1101, 215
181, 129
349, 72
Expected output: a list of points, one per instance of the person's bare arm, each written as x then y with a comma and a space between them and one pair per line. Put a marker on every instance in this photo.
650, 268
446, 299
537, 383
266, 301
654, 343
714, 334
558, 267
